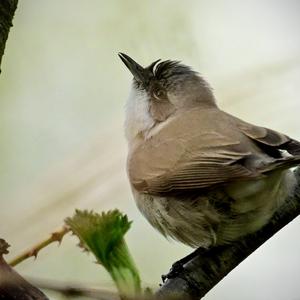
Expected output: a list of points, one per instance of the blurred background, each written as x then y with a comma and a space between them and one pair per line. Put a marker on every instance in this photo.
63, 91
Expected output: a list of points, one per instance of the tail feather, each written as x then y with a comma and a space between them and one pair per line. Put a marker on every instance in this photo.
293, 147
281, 163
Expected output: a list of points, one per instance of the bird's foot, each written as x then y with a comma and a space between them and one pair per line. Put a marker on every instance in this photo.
175, 270
178, 267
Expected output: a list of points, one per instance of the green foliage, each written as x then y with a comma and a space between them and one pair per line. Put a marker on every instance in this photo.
103, 235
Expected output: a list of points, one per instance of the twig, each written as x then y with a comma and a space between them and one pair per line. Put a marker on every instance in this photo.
202, 273
74, 290
56, 236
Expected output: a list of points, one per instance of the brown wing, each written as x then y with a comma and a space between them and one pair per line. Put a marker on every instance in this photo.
204, 149
183, 169
196, 154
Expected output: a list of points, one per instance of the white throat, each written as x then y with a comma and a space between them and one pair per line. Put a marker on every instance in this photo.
138, 118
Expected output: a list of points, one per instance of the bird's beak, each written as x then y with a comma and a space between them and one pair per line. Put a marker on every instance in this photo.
138, 72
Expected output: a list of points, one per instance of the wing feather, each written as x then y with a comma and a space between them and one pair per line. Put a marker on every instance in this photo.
273, 140
212, 153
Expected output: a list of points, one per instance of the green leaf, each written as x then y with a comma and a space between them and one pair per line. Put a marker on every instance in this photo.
103, 235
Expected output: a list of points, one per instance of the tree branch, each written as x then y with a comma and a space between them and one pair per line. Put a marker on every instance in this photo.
7, 11
12, 285
202, 273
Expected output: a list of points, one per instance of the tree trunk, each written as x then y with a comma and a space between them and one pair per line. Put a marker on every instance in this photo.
7, 11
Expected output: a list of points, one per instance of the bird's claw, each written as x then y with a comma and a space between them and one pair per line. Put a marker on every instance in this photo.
176, 269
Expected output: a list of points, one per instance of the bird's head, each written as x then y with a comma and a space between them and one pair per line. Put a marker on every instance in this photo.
161, 90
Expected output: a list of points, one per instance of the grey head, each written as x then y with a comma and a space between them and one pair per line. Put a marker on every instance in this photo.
164, 88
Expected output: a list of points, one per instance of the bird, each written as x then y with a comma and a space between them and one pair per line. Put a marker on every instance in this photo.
198, 174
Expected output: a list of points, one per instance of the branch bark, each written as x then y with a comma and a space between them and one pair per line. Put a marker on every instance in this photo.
202, 273
7, 11
12, 285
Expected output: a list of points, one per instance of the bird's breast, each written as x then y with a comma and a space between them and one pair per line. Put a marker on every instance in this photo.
190, 221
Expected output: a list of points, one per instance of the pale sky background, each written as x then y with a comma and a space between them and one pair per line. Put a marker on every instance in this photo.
63, 90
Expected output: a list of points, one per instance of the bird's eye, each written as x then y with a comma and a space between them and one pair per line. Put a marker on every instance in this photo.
158, 94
